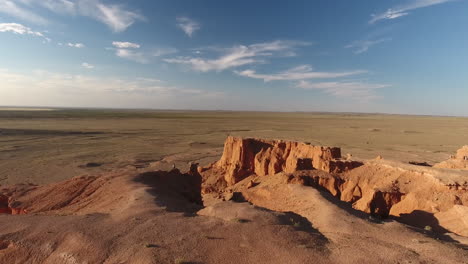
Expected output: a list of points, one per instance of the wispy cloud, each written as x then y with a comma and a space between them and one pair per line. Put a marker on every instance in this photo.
76, 45
132, 55
12, 8
57, 6
189, 26
127, 51
131, 51
53, 83
87, 65
57, 89
117, 17
239, 55
403, 10
163, 51
362, 46
302, 72
125, 45
336, 87
16, 28
350, 89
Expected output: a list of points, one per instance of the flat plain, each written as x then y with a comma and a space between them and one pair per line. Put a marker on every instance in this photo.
47, 146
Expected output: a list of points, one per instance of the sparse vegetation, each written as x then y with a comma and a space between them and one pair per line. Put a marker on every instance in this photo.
240, 220
179, 261
150, 245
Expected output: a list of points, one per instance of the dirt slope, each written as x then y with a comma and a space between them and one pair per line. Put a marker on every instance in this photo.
353, 236
129, 217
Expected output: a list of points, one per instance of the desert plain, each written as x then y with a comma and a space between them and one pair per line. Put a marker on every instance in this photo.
143, 186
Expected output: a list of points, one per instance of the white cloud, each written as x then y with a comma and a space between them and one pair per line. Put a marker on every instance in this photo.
87, 65
403, 10
18, 29
132, 55
350, 89
188, 25
22, 30
115, 16
238, 56
76, 45
123, 50
125, 45
302, 72
362, 46
127, 50
12, 8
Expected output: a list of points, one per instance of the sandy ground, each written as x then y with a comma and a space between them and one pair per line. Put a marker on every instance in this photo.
129, 217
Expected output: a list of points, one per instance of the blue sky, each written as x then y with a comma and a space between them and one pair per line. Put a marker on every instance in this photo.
405, 56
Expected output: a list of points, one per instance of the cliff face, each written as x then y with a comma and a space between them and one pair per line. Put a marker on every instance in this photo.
246, 156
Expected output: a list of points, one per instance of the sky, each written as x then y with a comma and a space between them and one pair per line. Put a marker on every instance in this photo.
394, 56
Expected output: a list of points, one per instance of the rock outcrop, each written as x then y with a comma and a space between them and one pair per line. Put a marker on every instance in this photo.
420, 196
459, 161
416, 195
246, 156
6, 206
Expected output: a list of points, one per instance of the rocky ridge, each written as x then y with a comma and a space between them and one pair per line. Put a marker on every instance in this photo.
246, 156
417, 195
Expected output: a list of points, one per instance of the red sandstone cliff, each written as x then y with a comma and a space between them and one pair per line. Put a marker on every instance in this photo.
246, 156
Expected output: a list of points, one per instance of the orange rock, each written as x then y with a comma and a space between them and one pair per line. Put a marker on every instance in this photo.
459, 161
462, 154
246, 156
251, 184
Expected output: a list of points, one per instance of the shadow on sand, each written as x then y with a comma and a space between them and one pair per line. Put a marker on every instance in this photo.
418, 221
426, 223
176, 191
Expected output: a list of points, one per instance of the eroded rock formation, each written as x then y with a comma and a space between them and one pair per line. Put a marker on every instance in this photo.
459, 161
418, 195
246, 156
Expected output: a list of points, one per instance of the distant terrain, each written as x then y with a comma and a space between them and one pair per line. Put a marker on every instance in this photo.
48, 146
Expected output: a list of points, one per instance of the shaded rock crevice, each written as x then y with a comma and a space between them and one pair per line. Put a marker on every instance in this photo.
362, 197
7, 206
